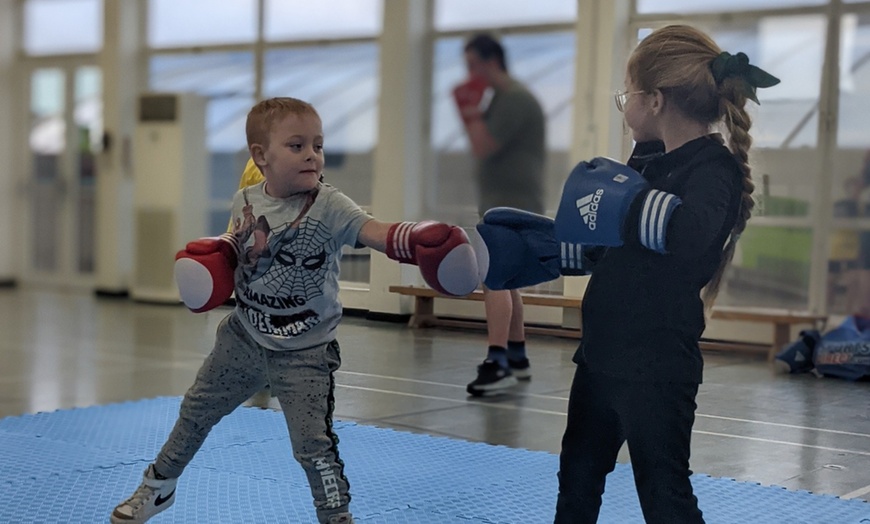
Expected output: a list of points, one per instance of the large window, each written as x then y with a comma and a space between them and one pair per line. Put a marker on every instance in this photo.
463, 14
303, 19
341, 81
227, 81
178, 23
852, 129
541, 58
849, 264
62, 26
216, 49
774, 263
543, 62
693, 6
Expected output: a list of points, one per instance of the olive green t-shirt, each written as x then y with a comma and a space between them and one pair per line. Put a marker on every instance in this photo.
513, 176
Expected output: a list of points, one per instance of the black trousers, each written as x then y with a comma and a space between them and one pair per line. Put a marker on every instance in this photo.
655, 419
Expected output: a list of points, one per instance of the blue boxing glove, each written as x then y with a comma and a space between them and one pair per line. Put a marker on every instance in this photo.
596, 201
518, 249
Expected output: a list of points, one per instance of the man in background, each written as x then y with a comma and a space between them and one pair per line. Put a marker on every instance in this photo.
506, 129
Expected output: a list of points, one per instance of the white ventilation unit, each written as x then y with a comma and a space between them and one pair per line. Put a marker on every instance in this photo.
170, 170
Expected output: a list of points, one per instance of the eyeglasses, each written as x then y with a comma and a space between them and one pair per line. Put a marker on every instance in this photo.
621, 97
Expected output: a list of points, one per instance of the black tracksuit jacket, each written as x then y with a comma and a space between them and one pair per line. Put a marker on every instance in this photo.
642, 312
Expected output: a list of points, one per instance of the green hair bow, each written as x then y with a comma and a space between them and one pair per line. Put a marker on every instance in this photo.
727, 65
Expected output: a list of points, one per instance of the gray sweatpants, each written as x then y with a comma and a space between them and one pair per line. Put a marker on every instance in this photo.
302, 381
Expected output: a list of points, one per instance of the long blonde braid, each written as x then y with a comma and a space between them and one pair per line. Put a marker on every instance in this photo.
709, 86
737, 121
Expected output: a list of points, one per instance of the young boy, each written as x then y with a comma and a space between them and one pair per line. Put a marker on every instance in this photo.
282, 261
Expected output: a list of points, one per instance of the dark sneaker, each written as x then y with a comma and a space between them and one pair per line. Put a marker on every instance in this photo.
520, 369
152, 497
797, 357
491, 379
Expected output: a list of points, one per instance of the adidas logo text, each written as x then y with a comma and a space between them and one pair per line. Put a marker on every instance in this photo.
588, 208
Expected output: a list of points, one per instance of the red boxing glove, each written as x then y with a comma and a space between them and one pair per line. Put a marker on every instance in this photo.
204, 271
442, 252
472, 98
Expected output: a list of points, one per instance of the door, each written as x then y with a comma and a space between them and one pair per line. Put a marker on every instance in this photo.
64, 133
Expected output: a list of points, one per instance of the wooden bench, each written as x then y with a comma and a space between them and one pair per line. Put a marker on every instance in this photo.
781, 319
424, 310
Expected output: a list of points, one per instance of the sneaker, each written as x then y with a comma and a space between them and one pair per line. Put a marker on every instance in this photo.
152, 497
520, 369
491, 379
341, 518
797, 357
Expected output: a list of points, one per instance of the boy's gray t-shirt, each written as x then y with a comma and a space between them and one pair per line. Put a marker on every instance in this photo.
287, 279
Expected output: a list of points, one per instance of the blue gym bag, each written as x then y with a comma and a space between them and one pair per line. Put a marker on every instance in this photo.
843, 352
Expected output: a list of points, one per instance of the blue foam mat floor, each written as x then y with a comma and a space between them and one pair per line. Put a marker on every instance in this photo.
75, 465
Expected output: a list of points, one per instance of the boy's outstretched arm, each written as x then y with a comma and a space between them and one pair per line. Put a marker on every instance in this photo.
374, 235
442, 251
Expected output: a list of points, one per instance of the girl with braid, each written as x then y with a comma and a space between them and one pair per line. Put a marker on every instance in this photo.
639, 363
